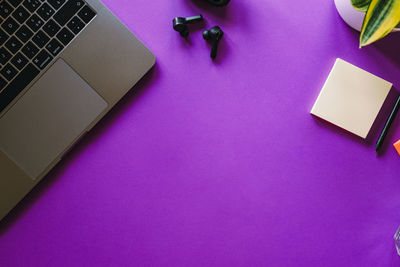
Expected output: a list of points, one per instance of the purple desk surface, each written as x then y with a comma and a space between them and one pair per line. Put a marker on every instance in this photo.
220, 163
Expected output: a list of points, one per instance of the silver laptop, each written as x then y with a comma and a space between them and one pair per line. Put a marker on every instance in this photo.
64, 65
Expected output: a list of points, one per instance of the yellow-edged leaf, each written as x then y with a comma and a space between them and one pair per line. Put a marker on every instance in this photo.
381, 18
361, 5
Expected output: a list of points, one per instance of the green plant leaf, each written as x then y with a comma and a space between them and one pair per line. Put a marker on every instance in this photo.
381, 18
361, 5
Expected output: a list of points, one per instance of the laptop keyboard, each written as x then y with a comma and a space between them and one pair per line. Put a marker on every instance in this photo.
32, 34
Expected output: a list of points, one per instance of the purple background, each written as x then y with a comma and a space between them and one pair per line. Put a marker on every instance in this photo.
220, 163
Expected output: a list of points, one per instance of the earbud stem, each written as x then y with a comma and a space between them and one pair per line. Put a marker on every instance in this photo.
214, 50
193, 19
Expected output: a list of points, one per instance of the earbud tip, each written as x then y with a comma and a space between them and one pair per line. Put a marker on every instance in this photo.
206, 35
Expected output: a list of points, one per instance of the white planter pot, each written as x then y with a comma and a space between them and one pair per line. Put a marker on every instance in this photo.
350, 15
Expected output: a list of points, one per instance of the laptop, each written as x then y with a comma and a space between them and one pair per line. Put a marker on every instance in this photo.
63, 65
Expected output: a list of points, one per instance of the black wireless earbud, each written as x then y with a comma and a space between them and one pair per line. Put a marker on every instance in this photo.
180, 24
214, 35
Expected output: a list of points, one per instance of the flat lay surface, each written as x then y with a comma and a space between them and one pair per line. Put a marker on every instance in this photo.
220, 163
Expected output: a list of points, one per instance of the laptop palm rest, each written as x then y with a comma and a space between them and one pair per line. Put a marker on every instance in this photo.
44, 122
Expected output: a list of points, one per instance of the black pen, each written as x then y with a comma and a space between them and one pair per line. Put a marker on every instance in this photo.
387, 125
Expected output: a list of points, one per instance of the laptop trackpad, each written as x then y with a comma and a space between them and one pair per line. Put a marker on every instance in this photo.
48, 118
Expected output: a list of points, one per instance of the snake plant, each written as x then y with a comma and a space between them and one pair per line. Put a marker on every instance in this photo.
381, 17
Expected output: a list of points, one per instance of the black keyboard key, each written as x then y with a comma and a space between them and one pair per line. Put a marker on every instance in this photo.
86, 14
4, 56
75, 25
15, 3
22, 80
51, 28
3, 83
19, 61
40, 39
30, 50
56, 3
42, 59
54, 47
5, 9
68, 10
45, 11
31, 5
10, 25
13, 45
3, 37
24, 34
21, 14
65, 36
34, 22
8, 72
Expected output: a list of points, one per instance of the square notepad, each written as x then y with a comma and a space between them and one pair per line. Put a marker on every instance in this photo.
351, 98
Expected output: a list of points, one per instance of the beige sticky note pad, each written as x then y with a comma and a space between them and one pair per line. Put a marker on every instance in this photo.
351, 98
